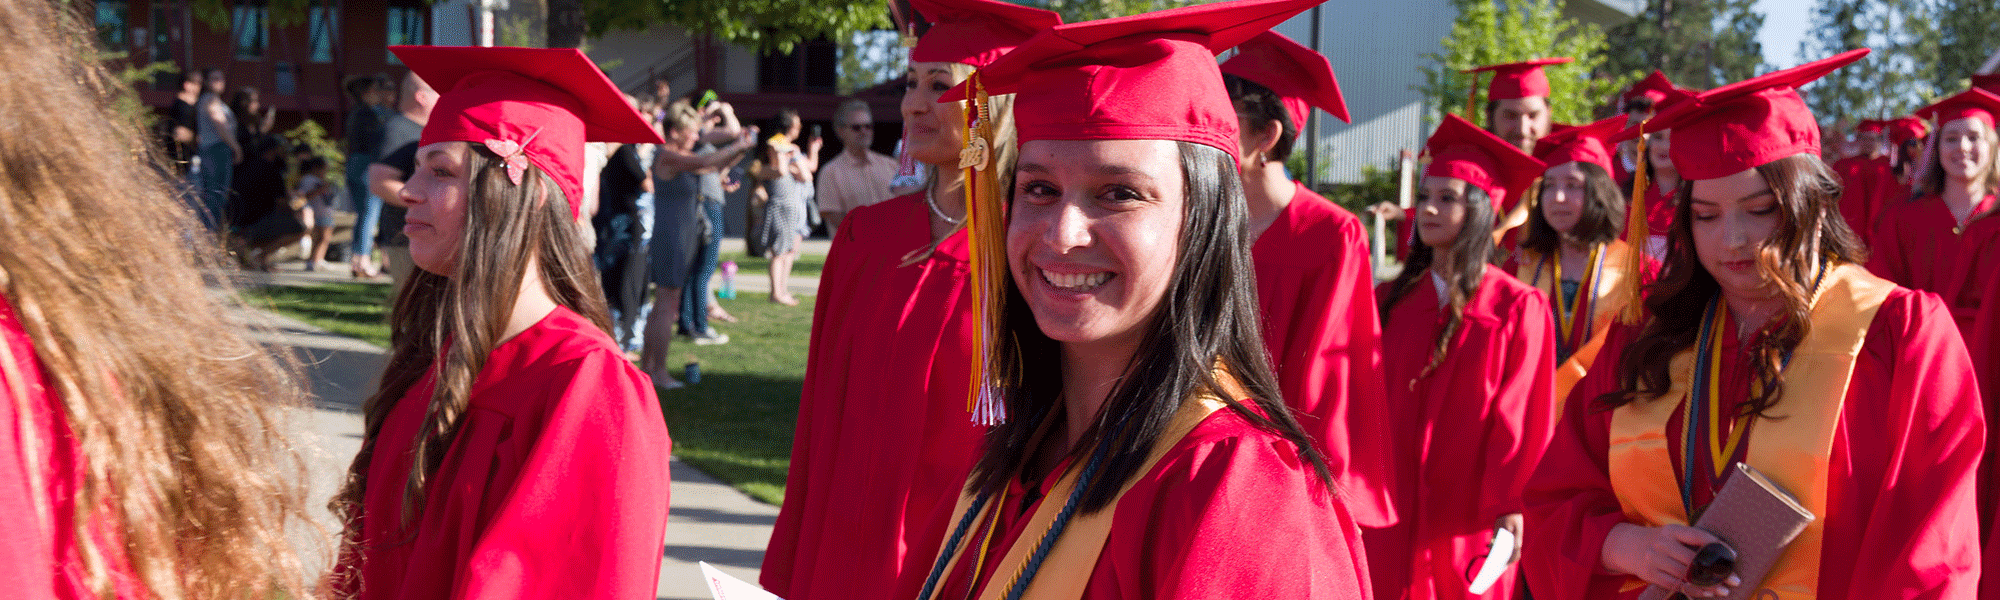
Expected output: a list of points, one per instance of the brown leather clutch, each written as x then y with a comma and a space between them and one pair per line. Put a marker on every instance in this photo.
1757, 518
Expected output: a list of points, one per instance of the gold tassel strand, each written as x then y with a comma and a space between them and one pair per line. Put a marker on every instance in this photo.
1636, 230
986, 230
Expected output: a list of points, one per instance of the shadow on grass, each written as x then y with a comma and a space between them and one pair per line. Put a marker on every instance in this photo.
736, 427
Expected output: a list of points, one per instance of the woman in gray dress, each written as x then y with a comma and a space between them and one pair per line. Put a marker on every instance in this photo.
788, 177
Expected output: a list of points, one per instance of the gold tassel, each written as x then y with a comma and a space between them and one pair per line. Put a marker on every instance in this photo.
986, 236
1472, 100
1636, 230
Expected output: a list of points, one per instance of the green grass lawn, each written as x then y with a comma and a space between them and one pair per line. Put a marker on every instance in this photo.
736, 424
757, 266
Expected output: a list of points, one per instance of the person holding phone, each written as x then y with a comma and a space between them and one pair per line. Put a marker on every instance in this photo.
788, 178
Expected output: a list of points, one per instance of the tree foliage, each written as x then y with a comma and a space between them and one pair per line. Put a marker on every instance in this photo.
1968, 31
1490, 32
764, 26
1699, 44
1898, 77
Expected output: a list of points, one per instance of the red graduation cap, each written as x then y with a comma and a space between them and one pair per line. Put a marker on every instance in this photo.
1300, 77
1736, 127
1904, 129
540, 104
1586, 143
975, 32
1519, 80
1970, 104
1462, 150
1150, 76
1989, 82
1870, 126
1654, 86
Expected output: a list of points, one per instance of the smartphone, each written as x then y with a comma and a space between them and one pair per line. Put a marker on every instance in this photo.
812, 133
707, 98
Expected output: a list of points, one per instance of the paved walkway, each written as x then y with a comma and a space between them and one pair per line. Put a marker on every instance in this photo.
709, 521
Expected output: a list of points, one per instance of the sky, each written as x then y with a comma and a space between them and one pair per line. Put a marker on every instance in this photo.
1785, 25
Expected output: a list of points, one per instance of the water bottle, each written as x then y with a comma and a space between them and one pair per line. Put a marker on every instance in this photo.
728, 290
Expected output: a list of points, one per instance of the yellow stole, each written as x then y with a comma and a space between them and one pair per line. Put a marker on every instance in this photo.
1611, 296
1791, 450
1066, 571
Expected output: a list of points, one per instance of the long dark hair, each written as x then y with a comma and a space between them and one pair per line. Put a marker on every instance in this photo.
1208, 317
1601, 218
506, 225
1471, 252
1810, 234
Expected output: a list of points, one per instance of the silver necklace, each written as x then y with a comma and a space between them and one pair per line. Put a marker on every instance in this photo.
932, 202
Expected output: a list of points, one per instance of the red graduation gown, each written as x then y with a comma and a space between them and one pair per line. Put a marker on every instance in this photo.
556, 486
1920, 246
40, 473
1466, 436
1866, 186
884, 440
1901, 520
1229, 512
1316, 295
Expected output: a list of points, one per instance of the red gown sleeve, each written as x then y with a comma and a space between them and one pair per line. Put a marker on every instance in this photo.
1905, 503
1238, 518
1523, 390
585, 514
1887, 258
1570, 507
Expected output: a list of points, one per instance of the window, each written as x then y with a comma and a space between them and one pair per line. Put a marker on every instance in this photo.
406, 27
323, 27
284, 79
113, 24
251, 28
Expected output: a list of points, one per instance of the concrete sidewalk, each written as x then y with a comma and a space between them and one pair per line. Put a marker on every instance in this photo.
708, 521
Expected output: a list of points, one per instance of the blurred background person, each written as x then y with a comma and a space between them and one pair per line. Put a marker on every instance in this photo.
371, 96
858, 176
219, 148
788, 177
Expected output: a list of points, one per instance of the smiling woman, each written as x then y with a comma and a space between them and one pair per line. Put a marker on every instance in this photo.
1140, 408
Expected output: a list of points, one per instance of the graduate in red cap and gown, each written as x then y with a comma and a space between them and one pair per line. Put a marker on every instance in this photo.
1653, 180
511, 451
884, 434
1144, 451
1864, 412
1571, 251
1867, 179
1468, 355
1640, 103
1907, 136
1315, 278
1948, 240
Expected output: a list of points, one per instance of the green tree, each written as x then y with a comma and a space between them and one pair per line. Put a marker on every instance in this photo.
1490, 32
763, 26
1698, 44
1896, 78
1968, 31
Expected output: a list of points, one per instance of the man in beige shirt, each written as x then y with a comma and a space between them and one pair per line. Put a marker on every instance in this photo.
859, 176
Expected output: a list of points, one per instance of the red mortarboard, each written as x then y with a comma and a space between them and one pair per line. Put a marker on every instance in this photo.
1463, 150
975, 32
1150, 76
1567, 143
1737, 127
1905, 129
1970, 104
1299, 76
1870, 125
1989, 82
1519, 80
545, 101
1654, 86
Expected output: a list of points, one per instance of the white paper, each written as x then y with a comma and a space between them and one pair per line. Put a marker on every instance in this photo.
1496, 562
722, 586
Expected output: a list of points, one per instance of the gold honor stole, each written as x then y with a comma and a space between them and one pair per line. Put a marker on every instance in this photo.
1602, 309
1066, 571
1792, 450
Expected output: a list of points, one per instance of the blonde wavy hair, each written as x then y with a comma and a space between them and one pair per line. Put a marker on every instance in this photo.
187, 483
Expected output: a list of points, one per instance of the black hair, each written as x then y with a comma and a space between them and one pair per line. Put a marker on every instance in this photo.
1471, 252
1637, 103
1601, 218
1207, 318
311, 163
1259, 105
